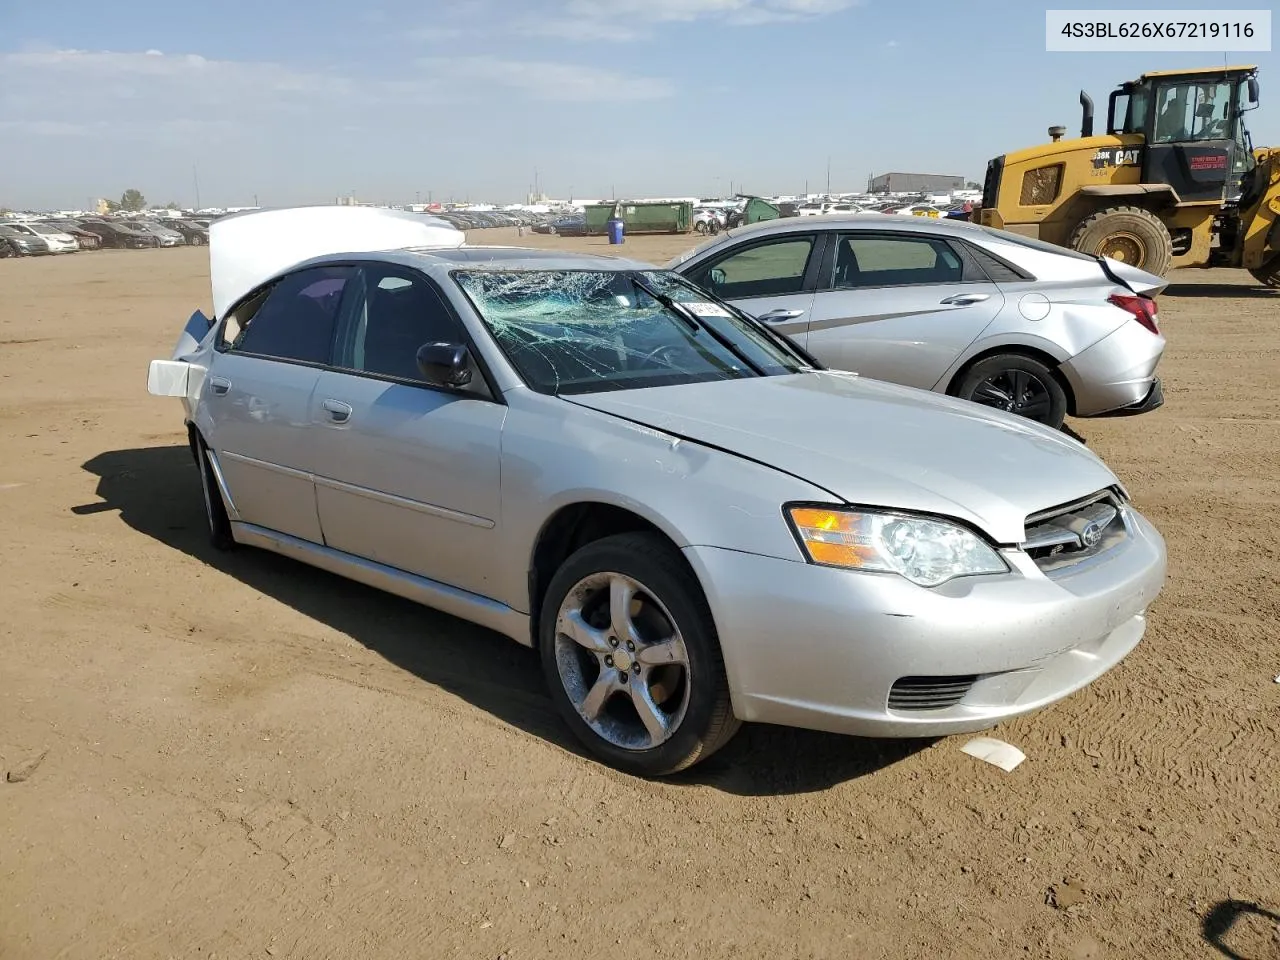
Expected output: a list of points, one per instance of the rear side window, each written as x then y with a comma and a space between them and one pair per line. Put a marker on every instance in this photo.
294, 320
869, 260
996, 269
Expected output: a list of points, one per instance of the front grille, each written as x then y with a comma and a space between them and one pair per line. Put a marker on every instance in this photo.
1067, 534
929, 693
991, 185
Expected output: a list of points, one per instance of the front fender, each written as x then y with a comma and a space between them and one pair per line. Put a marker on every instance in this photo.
556, 454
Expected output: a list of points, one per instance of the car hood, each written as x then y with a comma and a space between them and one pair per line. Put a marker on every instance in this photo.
878, 444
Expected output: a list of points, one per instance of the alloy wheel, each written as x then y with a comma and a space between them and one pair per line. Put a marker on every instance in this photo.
1015, 391
622, 661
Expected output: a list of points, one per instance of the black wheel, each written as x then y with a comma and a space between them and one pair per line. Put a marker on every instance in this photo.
700, 228
1269, 273
1128, 234
551, 230
632, 659
215, 511
6, 250
1018, 384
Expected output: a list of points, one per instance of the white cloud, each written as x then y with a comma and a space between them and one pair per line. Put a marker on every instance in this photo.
72, 89
589, 20
434, 34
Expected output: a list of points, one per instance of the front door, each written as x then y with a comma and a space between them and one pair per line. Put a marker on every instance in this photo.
899, 307
254, 409
1193, 140
406, 474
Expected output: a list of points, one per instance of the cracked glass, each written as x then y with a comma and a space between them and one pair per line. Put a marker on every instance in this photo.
586, 331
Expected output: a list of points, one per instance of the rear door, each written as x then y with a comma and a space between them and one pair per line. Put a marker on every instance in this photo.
772, 279
898, 306
406, 474
255, 402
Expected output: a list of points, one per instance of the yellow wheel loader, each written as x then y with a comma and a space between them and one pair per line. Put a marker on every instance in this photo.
1174, 182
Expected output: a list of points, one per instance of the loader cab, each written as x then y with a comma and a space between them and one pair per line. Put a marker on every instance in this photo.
1192, 124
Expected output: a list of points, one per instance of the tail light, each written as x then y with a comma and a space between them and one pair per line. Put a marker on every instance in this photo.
1142, 308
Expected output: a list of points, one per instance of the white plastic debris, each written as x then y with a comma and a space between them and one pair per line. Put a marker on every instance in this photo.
996, 752
1277, 677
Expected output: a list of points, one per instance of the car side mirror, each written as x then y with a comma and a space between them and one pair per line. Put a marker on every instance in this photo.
445, 364
718, 277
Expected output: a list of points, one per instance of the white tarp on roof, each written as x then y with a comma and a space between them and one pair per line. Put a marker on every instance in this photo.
247, 249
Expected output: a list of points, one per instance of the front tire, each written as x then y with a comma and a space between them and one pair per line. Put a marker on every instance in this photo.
1015, 383
1128, 234
1269, 273
632, 659
215, 512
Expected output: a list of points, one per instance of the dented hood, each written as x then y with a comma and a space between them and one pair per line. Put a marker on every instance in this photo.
878, 444
246, 249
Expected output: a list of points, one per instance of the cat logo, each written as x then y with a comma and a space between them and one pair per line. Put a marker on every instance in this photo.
1118, 157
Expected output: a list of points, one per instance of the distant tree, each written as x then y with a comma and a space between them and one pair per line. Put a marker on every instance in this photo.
132, 200
5, 211
112, 206
973, 186
172, 206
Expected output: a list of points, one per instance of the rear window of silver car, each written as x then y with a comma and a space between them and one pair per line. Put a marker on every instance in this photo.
1043, 246
583, 331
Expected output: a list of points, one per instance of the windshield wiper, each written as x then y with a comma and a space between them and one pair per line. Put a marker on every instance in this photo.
695, 322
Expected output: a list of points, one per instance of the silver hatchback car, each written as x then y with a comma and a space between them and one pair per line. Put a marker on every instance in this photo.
691, 523
944, 305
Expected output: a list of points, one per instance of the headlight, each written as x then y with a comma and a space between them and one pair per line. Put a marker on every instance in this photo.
927, 552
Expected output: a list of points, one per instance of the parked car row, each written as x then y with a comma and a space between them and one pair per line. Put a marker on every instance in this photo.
25, 238
691, 518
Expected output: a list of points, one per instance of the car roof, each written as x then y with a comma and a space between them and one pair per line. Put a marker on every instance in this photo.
443, 260
881, 221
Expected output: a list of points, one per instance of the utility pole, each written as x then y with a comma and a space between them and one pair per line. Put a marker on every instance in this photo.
828, 175
255, 199
195, 174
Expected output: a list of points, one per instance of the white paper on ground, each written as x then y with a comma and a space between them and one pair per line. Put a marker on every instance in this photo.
1003, 755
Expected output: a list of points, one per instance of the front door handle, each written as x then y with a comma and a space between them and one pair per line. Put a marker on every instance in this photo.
338, 411
965, 299
779, 315
219, 385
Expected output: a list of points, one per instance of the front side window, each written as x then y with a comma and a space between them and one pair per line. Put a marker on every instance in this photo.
1193, 111
292, 320
388, 316
772, 269
885, 261
571, 331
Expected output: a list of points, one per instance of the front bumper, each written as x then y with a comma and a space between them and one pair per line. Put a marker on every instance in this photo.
823, 648
1117, 372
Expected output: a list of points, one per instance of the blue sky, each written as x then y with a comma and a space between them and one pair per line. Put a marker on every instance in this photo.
301, 102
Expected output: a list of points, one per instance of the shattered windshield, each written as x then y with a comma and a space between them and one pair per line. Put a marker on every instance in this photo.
582, 331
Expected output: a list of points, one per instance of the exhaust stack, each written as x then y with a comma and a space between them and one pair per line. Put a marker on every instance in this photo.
1086, 118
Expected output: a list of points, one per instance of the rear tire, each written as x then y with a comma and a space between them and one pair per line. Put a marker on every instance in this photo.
638, 588
1269, 273
1128, 234
215, 511
1017, 384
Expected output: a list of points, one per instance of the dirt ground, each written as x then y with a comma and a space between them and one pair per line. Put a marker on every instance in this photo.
245, 757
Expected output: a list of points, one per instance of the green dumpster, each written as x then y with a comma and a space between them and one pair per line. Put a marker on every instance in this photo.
641, 217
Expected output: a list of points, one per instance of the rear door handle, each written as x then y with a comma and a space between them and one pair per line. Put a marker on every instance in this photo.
338, 411
219, 385
780, 315
965, 299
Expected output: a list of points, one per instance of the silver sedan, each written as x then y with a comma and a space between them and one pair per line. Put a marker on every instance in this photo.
691, 523
949, 306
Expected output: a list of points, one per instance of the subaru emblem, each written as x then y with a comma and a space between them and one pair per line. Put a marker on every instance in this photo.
1090, 535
